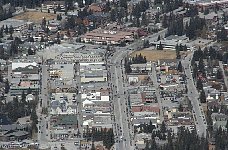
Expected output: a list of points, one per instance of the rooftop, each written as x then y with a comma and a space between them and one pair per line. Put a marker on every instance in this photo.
12, 22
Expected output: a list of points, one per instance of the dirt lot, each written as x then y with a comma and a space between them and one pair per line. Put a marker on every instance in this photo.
154, 55
35, 17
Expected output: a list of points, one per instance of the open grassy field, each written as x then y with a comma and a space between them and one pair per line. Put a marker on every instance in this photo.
155, 55
35, 17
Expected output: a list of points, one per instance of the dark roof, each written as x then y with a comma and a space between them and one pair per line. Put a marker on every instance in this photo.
98, 16
54, 2
4, 120
66, 120
28, 69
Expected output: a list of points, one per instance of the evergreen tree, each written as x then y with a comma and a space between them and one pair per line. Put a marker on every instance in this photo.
199, 85
123, 3
144, 21
159, 38
153, 145
219, 74
34, 117
6, 30
147, 146
227, 126
202, 97
11, 30
163, 127
222, 35
7, 86
113, 15
164, 21
201, 66
160, 46
180, 108
180, 67
93, 146
146, 44
30, 51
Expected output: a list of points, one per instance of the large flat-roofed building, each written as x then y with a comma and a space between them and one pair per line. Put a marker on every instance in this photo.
93, 72
51, 5
25, 76
81, 56
208, 4
103, 36
18, 25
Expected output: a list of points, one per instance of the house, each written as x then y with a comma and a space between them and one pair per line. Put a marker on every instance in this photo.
63, 104
219, 120
63, 126
95, 7
210, 18
13, 132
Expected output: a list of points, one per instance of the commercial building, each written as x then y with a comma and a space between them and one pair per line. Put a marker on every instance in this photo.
103, 36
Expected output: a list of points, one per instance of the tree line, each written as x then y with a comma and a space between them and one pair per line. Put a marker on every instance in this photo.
103, 134
138, 59
21, 108
182, 141
6, 12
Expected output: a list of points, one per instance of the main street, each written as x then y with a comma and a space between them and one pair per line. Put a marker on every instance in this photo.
43, 135
193, 95
122, 127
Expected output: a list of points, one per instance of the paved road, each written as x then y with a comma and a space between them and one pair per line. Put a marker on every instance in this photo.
77, 78
43, 125
122, 126
153, 76
193, 95
224, 75
9, 79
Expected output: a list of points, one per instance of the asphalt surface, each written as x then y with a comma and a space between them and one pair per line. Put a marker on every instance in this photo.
201, 125
122, 126
123, 130
153, 77
223, 72
10, 72
43, 124
78, 97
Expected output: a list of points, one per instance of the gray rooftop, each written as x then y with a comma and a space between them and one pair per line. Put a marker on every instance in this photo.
12, 22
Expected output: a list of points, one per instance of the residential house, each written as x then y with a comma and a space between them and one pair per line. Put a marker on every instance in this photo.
219, 120
63, 104
63, 126
95, 7
13, 132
